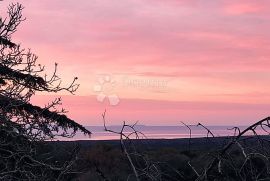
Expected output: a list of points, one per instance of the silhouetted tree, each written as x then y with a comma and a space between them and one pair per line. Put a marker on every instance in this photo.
25, 127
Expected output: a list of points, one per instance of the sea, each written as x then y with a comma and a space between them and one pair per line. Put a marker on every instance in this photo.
160, 132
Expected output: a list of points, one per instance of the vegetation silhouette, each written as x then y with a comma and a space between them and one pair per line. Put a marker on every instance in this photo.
243, 156
27, 131
24, 127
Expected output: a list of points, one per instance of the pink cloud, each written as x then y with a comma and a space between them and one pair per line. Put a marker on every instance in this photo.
129, 36
245, 7
87, 110
217, 48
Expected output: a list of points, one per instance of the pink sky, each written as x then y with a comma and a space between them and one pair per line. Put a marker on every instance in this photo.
169, 61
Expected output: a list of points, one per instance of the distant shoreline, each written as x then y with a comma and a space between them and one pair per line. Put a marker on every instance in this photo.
180, 143
160, 132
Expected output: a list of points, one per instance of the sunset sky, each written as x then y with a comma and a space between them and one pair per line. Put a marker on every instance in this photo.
166, 61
